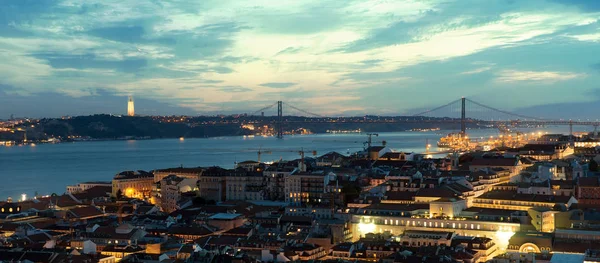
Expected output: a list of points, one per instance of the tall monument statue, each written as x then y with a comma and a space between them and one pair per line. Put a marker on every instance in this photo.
130, 109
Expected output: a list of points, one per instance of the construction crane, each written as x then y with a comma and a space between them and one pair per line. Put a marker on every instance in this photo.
369, 141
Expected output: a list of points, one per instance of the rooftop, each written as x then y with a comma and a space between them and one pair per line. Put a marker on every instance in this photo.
133, 175
494, 162
512, 195
224, 216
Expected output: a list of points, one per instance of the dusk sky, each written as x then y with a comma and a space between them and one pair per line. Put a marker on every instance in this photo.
332, 57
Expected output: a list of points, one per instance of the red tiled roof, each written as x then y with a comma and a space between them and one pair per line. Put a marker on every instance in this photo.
94, 192
39, 237
243, 231
400, 195
436, 192
223, 240
190, 230
589, 182
86, 212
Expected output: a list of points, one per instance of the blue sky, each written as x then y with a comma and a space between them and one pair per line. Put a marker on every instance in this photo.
333, 57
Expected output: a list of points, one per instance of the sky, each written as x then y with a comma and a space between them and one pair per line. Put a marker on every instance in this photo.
331, 57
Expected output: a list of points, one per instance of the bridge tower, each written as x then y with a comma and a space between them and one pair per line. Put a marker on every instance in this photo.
463, 120
279, 119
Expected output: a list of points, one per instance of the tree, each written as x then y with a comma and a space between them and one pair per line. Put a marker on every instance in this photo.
198, 201
593, 166
351, 192
119, 194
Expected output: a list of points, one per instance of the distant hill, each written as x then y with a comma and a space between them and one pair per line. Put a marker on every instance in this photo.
110, 127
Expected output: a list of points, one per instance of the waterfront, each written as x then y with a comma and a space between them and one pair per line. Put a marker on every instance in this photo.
49, 168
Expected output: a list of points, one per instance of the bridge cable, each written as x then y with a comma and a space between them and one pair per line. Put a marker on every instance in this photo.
435, 109
303, 111
263, 109
503, 111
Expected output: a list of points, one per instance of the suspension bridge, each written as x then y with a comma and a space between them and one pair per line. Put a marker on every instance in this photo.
462, 111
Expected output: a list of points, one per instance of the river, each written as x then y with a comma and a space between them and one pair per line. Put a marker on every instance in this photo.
49, 168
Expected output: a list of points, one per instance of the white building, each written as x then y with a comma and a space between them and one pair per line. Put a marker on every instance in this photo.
82, 187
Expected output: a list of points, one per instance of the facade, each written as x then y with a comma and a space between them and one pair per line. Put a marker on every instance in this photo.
82, 187
426, 238
121, 236
447, 207
171, 188
542, 218
248, 165
133, 184
546, 152
319, 212
245, 186
308, 188
510, 200
396, 219
212, 185
275, 177
586, 143
190, 173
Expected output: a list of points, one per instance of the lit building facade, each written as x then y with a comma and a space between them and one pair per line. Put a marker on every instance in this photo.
133, 184
397, 219
542, 218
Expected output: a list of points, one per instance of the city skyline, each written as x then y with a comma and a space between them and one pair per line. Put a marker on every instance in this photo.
381, 57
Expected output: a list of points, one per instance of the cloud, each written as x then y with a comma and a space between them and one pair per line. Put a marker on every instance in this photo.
204, 54
586, 5
475, 71
278, 85
508, 76
86, 61
130, 34
595, 37
235, 89
289, 50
